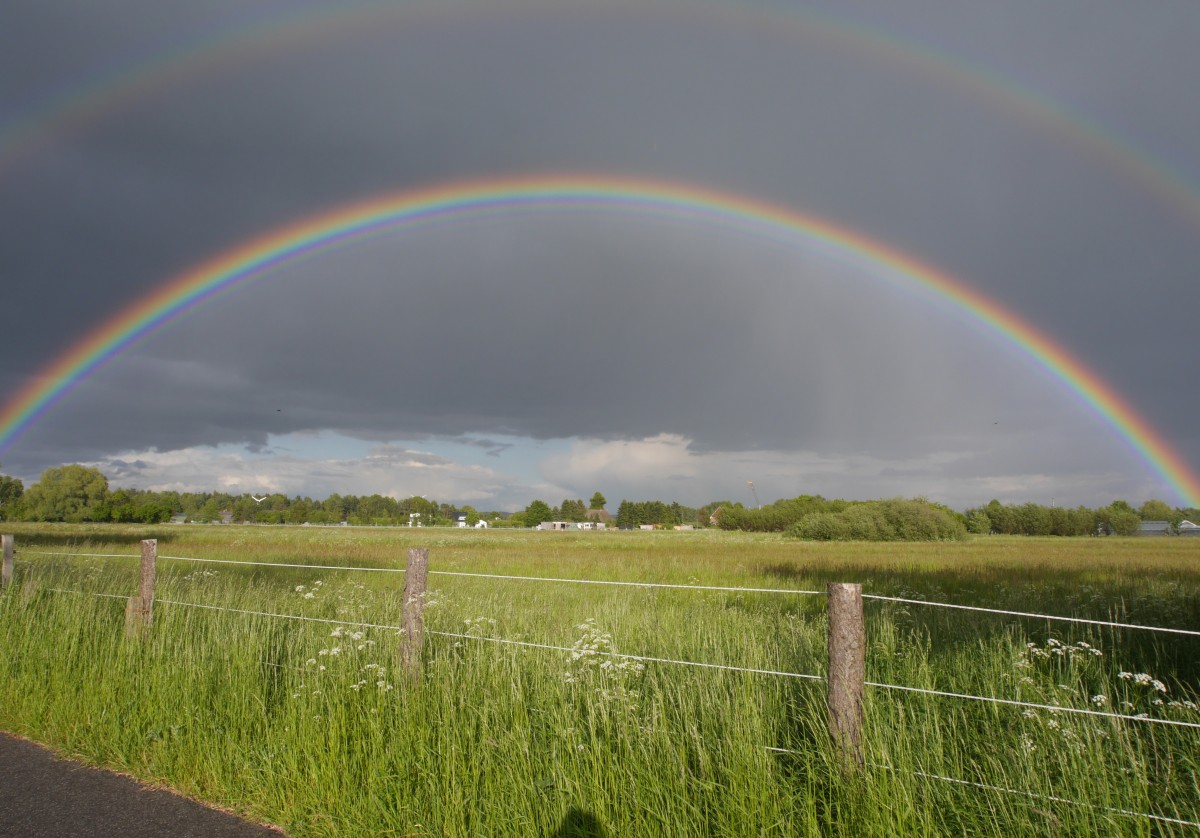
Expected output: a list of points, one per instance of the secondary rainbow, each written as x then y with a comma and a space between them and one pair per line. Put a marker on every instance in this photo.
447, 202
258, 34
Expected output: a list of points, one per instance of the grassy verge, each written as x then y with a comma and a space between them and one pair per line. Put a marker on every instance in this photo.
310, 724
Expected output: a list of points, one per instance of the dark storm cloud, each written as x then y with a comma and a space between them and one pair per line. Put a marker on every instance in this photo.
594, 326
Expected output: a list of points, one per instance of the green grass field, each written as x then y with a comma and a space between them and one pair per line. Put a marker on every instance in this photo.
311, 725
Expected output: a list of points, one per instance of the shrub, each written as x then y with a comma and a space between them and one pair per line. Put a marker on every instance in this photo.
889, 520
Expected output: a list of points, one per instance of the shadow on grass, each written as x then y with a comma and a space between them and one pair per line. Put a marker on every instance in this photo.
1144, 598
579, 823
33, 540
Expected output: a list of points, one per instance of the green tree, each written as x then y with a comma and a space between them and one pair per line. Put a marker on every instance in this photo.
597, 502
69, 493
573, 510
11, 490
978, 522
1119, 518
209, 511
537, 512
1157, 510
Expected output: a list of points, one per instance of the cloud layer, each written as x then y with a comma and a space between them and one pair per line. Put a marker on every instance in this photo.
640, 355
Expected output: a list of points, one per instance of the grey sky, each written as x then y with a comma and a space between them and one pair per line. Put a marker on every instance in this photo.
552, 354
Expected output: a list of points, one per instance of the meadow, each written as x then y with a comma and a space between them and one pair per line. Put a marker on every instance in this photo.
313, 726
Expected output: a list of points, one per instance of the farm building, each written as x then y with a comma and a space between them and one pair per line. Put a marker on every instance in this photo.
563, 526
1155, 528
600, 516
1188, 528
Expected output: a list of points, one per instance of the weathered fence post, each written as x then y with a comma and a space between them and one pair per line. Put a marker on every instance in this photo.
847, 671
415, 577
6, 569
139, 610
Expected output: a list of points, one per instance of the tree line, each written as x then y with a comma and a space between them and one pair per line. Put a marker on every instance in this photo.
76, 493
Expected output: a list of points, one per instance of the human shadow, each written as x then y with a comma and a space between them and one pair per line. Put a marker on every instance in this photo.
578, 823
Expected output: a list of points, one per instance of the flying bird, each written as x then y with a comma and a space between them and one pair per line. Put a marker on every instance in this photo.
259, 500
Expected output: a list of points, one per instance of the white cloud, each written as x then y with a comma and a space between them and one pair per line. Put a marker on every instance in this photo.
668, 467
385, 469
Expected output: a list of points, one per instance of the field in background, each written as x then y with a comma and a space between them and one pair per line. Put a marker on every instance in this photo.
260, 714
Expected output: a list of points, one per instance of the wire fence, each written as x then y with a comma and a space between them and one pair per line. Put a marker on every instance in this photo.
650, 585
1053, 708
1049, 798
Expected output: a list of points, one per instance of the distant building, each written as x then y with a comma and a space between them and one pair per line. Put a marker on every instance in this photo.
1155, 528
1188, 528
555, 526
602, 516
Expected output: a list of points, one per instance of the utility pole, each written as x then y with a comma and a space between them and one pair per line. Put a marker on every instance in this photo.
753, 491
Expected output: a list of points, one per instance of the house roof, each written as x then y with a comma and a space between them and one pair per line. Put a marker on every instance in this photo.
1155, 526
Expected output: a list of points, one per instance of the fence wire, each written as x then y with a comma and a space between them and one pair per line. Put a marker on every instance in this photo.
524, 643
651, 585
1029, 614
1050, 798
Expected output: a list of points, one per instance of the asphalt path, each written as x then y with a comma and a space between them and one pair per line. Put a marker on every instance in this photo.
45, 796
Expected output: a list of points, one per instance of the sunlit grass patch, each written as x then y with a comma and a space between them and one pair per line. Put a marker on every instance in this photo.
310, 724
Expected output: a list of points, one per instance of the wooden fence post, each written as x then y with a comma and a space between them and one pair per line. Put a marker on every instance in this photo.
415, 577
6, 569
139, 610
847, 671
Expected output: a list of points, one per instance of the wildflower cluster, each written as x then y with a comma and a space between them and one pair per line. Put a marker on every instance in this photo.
344, 661
308, 592
1069, 732
353, 599
1055, 648
1052, 659
197, 575
594, 663
1142, 679
1145, 693
479, 627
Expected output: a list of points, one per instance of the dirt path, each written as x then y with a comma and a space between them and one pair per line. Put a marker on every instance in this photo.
45, 796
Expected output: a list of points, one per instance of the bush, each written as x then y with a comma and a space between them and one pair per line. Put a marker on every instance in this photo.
889, 520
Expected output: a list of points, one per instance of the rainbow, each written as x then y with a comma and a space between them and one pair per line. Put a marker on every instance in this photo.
257, 35
447, 202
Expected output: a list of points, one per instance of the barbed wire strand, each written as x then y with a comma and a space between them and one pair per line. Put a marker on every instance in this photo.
1033, 795
1029, 614
1053, 707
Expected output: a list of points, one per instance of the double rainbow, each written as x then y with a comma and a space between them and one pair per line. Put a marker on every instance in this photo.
345, 225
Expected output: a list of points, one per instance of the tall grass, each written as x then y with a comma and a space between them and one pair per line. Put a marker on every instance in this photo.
312, 725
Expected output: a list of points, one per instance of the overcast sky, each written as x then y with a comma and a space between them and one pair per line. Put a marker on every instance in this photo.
1046, 155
